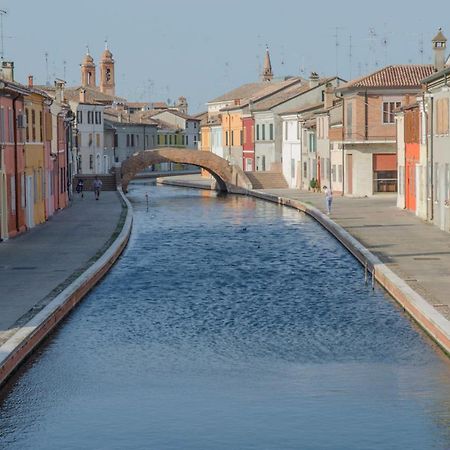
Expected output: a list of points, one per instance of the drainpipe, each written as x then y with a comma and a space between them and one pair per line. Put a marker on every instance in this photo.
16, 162
366, 118
229, 136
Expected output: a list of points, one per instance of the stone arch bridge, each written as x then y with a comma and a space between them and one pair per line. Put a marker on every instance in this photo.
229, 177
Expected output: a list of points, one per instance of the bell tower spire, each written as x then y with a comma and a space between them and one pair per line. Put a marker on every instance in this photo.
267, 73
88, 70
107, 83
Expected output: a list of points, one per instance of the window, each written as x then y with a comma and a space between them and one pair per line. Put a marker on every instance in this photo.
91, 162
90, 140
263, 137
257, 132
388, 111
165, 139
195, 124
241, 137
137, 140
11, 125
312, 142
232, 137
195, 139
116, 140
41, 124
2, 125
159, 139
128, 140
132, 140
146, 140
271, 132
442, 116
349, 121
28, 123
13, 193
226, 137
80, 116
33, 125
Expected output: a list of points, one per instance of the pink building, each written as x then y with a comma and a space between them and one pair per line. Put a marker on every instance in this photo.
12, 163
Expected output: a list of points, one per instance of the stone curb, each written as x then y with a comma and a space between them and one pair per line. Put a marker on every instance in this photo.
19, 346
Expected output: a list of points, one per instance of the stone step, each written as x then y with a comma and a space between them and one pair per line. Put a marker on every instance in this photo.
267, 180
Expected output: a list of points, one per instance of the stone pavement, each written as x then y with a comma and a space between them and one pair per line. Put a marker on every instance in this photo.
37, 265
416, 251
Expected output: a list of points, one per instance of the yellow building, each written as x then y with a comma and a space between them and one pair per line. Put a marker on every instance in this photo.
232, 135
35, 158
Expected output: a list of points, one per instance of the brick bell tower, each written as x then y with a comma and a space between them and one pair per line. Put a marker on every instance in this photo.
88, 70
107, 83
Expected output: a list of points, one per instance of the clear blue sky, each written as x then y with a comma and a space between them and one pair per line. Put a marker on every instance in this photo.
201, 48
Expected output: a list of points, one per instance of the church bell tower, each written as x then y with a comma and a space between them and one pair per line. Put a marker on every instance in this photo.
107, 83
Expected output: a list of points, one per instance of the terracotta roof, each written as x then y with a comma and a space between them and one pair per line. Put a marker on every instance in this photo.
303, 109
176, 113
245, 91
121, 116
93, 95
401, 76
286, 94
267, 90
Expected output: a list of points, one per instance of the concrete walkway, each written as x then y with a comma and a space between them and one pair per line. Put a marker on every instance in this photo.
38, 265
416, 251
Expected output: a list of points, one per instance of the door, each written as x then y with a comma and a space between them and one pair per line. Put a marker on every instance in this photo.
248, 164
349, 174
29, 199
105, 164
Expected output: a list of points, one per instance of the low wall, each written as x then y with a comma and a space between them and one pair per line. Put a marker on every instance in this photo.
16, 349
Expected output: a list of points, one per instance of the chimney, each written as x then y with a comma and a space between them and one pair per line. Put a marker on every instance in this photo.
439, 47
59, 91
313, 79
7, 70
329, 96
82, 95
30, 81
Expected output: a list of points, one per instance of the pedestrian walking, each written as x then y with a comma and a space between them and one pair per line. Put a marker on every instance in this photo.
80, 187
97, 185
328, 198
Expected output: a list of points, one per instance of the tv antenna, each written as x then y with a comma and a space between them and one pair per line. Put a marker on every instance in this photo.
350, 54
47, 77
421, 51
2, 38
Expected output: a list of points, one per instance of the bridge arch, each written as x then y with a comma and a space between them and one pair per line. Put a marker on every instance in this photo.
229, 177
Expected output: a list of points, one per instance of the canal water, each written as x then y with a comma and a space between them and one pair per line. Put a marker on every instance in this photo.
230, 323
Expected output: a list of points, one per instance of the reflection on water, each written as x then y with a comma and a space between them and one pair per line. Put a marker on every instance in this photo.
235, 324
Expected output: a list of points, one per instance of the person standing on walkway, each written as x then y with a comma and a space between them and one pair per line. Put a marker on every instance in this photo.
79, 187
328, 198
97, 185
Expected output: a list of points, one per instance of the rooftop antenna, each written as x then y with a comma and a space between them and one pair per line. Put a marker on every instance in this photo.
2, 13
336, 45
421, 51
350, 54
372, 39
47, 77
385, 44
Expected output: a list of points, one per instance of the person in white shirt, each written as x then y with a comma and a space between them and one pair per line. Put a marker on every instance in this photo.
328, 198
97, 185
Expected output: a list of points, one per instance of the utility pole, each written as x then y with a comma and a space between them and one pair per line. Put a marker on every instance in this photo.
2, 13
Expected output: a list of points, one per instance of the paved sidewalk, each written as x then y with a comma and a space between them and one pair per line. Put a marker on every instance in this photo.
416, 251
37, 265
